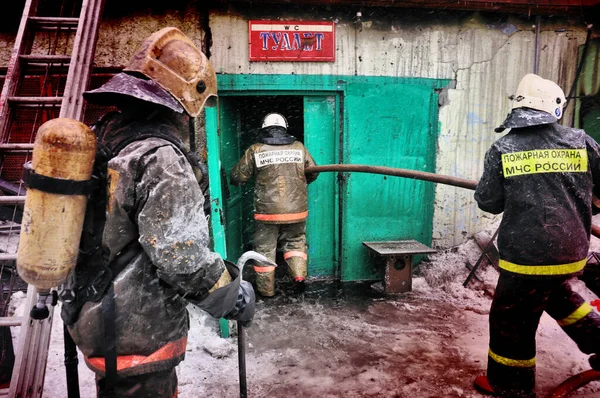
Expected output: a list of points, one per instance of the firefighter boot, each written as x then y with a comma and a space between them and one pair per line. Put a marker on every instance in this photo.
482, 385
265, 280
297, 271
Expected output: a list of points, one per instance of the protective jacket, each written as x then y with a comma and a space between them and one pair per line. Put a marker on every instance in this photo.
541, 177
154, 199
280, 191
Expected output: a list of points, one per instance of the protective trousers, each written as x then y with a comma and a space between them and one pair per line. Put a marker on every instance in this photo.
514, 317
147, 385
292, 239
7, 357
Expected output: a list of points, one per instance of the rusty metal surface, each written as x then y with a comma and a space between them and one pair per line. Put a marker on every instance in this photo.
398, 275
540, 7
398, 247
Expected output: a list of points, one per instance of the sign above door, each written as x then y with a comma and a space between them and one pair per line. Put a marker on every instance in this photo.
291, 41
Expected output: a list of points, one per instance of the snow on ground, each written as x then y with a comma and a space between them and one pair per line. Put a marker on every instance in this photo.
354, 342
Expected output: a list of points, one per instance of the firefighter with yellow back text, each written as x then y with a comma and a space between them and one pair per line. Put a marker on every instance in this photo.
542, 176
278, 161
145, 249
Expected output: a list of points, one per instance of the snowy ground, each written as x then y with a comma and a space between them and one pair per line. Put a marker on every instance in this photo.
353, 342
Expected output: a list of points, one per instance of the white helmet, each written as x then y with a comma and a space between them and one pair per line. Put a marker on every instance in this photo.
274, 119
537, 93
538, 101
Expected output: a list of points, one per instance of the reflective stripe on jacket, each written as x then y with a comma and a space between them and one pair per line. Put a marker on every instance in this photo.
170, 352
541, 177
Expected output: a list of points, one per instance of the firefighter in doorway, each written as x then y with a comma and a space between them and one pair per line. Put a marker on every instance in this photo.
278, 161
542, 176
145, 249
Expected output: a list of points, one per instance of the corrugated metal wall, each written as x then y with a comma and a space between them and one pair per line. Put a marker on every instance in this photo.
479, 103
485, 60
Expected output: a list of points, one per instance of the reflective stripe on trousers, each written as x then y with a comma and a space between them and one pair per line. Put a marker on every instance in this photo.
290, 237
287, 217
518, 304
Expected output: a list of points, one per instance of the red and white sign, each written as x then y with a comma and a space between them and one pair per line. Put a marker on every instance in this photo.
291, 41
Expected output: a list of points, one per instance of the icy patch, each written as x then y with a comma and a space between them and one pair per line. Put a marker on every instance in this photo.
444, 267
16, 307
218, 348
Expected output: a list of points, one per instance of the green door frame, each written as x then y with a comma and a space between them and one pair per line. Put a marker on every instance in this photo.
219, 204
213, 149
341, 86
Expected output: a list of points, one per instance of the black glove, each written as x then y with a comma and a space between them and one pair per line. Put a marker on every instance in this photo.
595, 205
595, 362
233, 301
243, 311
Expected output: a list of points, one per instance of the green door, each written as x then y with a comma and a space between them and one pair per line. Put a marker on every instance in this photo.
213, 153
320, 138
386, 121
388, 124
223, 143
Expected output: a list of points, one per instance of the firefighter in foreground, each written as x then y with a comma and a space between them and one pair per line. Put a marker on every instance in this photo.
278, 161
542, 176
125, 303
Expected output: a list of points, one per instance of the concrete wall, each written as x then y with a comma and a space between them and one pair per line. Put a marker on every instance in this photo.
119, 36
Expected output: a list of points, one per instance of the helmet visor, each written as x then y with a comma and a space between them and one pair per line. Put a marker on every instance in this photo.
125, 84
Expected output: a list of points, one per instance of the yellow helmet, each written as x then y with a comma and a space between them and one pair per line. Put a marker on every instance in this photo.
171, 59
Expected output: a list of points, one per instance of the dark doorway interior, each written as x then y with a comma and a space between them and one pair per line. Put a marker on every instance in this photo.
252, 110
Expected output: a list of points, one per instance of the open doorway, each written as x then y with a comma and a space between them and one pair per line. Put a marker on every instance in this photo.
252, 110
241, 120
312, 120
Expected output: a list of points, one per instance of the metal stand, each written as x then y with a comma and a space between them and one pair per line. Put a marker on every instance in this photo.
483, 255
398, 262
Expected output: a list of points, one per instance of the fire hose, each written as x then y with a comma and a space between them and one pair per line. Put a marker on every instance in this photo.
566, 387
414, 174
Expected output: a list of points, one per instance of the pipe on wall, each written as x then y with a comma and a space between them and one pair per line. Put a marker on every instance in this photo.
536, 51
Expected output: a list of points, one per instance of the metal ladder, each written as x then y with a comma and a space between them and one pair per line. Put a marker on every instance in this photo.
56, 43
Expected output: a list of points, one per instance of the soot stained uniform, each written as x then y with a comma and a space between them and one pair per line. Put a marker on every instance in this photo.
542, 178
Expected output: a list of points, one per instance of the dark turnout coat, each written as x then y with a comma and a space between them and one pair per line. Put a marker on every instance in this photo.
542, 178
280, 191
154, 198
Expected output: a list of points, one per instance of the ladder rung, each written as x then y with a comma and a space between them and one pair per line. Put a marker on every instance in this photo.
8, 256
38, 101
10, 200
11, 321
46, 59
16, 147
54, 22
10, 228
